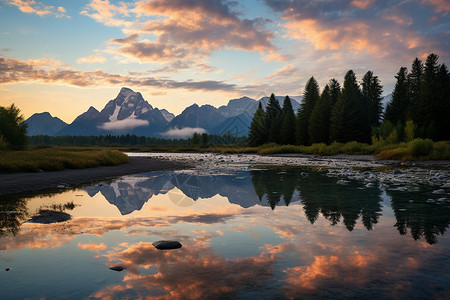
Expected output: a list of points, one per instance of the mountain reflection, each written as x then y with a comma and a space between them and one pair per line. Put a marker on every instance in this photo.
318, 194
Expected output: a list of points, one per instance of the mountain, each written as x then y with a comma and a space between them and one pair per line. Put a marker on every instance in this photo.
169, 116
129, 113
44, 124
205, 117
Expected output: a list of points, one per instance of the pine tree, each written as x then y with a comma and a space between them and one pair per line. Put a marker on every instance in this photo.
319, 122
335, 91
415, 81
429, 98
349, 117
273, 120
443, 111
397, 108
371, 91
310, 97
287, 131
257, 135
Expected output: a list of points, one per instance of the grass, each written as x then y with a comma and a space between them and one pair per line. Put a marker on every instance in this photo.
417, 149
59, 158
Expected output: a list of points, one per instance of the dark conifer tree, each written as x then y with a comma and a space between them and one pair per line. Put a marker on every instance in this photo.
310, 97
287, 131
429, 98
371, 91
443, 109
335, 91
258, 135
319, 122
397, 108
273, 120
349, 117
415, 81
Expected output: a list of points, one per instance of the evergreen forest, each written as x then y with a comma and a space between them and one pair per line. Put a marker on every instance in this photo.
419, 108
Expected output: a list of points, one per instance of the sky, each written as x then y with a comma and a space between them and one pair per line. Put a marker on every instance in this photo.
63, 56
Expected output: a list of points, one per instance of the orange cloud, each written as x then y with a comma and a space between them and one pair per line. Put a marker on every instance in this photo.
36, 7
192, 272
188, 30
92, 247
362, 4
91, 59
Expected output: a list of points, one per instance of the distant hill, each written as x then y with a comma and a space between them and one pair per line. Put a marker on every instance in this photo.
44, 124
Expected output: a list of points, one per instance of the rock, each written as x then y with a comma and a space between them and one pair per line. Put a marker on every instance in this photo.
46, 216
117, 268
440, 192
343, 182
165, 245
397, 171
431, 201
7, 269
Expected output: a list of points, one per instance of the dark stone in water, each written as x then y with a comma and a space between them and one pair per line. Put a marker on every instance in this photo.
117, 268
7, 269
165, 245
46, 216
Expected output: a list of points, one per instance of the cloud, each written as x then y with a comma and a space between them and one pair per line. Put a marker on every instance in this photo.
125, 124
185, 132
439, 5
194, 271
383, 29
188, 30
286, 71
91, 59
93, 247
39, 8
13, 70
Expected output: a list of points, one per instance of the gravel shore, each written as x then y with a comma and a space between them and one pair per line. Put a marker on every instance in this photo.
15, 183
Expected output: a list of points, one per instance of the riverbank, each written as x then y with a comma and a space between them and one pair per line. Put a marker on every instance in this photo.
16, 183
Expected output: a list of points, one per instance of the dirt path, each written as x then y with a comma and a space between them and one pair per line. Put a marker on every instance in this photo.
15, 183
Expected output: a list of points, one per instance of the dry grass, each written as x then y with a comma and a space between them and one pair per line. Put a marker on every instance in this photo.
52, 159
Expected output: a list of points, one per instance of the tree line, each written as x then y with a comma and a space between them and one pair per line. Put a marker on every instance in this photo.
420, 107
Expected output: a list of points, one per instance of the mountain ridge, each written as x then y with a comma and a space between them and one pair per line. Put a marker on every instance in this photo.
130, 113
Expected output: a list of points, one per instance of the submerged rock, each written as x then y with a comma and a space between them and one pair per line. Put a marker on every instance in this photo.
165, 245
440, 192
47, 216
117, 268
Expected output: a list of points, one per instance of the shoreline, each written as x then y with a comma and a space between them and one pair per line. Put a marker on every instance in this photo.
13, 184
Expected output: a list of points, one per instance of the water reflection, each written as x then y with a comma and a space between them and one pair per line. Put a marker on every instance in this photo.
277, 233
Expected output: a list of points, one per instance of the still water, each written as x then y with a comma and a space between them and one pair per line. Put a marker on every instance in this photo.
270, 233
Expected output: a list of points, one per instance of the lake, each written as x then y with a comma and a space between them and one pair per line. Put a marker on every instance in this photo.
265, 230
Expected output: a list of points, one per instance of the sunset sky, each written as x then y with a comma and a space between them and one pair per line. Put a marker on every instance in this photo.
64, 56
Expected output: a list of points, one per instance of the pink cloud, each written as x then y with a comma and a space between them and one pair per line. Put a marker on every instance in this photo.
189, 30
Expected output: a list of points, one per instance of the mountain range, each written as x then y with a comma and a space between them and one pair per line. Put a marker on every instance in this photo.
130, 113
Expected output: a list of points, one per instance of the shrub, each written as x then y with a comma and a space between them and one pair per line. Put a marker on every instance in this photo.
420, 147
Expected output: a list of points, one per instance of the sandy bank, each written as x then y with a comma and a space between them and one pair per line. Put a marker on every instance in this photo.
15, 183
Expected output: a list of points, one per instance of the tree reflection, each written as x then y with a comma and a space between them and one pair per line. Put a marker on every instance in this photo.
320, 195
12, 213
423, 219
